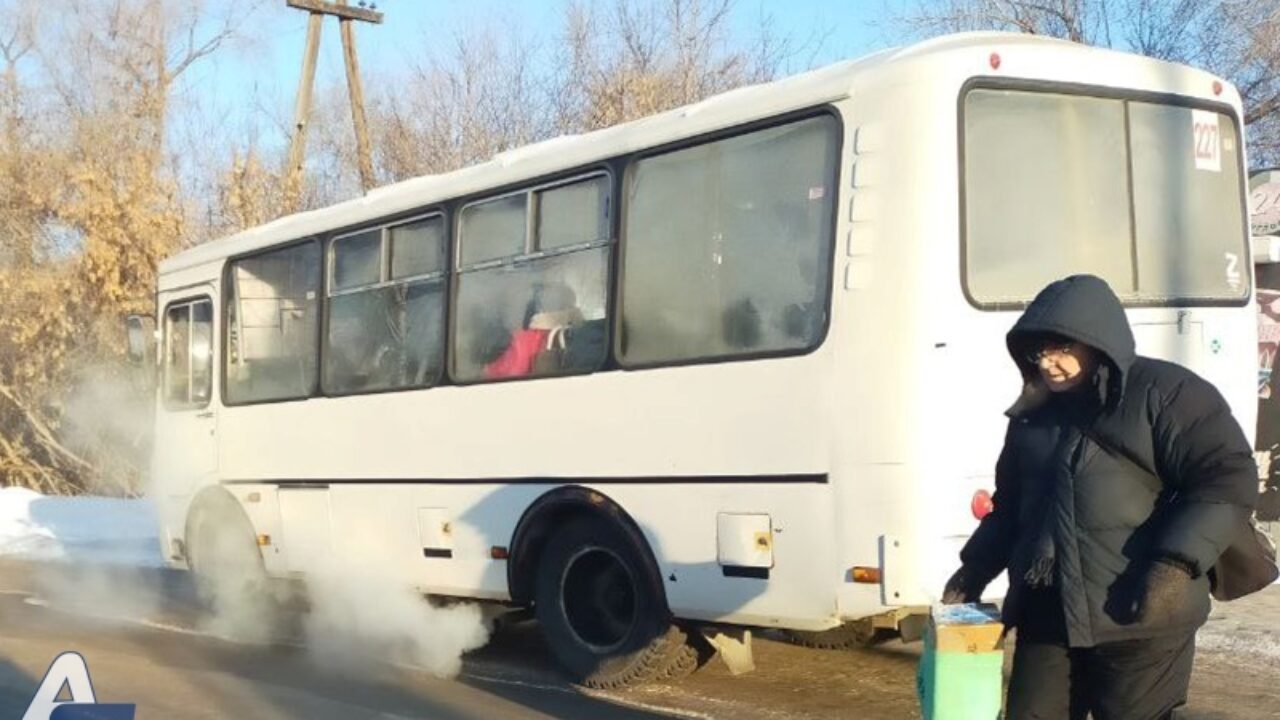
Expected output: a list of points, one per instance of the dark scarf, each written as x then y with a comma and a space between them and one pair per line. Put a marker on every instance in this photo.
1055, 511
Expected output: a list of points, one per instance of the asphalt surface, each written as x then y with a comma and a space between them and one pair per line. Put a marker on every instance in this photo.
150, 651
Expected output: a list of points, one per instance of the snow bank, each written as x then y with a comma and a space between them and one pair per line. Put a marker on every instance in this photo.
88, 529
1256, 646
1245, 629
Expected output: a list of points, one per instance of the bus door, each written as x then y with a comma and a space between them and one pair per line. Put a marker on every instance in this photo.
186, 450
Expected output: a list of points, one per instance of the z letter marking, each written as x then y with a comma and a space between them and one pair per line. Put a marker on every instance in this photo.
1233, 269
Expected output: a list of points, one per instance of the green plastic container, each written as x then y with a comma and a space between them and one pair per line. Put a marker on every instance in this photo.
961, 673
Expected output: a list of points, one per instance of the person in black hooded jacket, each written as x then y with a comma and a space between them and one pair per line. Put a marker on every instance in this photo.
1121, 481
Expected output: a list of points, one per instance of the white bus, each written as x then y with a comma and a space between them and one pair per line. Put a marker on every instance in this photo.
740, 364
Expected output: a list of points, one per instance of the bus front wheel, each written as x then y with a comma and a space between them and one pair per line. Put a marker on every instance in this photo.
602, 610
229, 575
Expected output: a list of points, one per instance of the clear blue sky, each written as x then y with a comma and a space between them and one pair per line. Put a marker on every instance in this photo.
261, 72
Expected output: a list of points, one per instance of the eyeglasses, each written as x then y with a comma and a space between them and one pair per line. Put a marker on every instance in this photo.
1051, 352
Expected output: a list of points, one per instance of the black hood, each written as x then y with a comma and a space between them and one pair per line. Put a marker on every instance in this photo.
1081, 308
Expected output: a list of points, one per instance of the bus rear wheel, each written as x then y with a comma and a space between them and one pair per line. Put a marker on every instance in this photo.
601, 608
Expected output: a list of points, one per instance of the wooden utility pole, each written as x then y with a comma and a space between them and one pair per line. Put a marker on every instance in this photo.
301, 113
302, 109
363, 151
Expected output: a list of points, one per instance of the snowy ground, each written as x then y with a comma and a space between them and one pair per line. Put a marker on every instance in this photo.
1247, 629
81, 529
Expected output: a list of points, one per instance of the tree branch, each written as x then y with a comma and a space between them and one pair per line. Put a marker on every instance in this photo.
43, 432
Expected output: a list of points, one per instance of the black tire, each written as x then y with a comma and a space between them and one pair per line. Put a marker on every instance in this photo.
846, 637
684, 661
230, 578
599, 601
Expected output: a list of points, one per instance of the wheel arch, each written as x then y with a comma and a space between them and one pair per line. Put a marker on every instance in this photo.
551, 510
213, 501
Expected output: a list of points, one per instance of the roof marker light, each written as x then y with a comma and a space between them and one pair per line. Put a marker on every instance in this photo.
995, 61
1217, 87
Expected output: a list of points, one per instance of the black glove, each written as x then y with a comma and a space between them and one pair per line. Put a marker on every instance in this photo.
1148, 594
963, 587
1269, 505
1164, 589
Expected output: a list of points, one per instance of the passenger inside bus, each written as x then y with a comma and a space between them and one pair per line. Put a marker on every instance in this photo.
541, 345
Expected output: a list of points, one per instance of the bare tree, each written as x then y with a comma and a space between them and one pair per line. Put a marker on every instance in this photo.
91, 204
1076, 20
489, 89
629, 59
22, 239
1243, 44
479, 97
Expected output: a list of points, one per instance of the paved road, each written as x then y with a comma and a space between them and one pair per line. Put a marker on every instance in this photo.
158, 660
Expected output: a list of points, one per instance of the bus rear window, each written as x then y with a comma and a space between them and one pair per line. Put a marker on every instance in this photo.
1144, 195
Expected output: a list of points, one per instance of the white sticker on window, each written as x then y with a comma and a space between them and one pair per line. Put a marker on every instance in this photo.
1233, 270
817, 193
1207, 140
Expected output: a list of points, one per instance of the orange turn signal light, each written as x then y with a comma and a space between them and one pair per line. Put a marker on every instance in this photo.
869, 575
497, 552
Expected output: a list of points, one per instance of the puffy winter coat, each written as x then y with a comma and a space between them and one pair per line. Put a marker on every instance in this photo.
518, 359
1062, 489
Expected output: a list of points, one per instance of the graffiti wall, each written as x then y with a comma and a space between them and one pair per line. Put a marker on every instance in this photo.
1264, 206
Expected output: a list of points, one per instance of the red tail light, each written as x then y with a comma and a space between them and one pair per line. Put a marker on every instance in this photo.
982, 504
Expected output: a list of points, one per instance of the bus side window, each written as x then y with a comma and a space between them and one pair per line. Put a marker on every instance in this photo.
540, 309
188, 376
273, 322
201, 352
417, 311
386, 308
726, 248
177, 355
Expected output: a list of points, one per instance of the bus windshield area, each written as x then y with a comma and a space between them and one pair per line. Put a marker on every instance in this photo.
1146, 195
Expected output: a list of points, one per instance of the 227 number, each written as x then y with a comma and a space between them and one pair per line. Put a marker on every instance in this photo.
1206, 135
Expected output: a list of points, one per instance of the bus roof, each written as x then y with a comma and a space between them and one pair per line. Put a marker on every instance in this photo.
741, 105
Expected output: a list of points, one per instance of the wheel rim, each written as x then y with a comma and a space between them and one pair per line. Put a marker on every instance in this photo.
598, 594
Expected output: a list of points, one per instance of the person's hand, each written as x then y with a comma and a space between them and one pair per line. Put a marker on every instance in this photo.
961, 588
1150, 594
1163, 590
